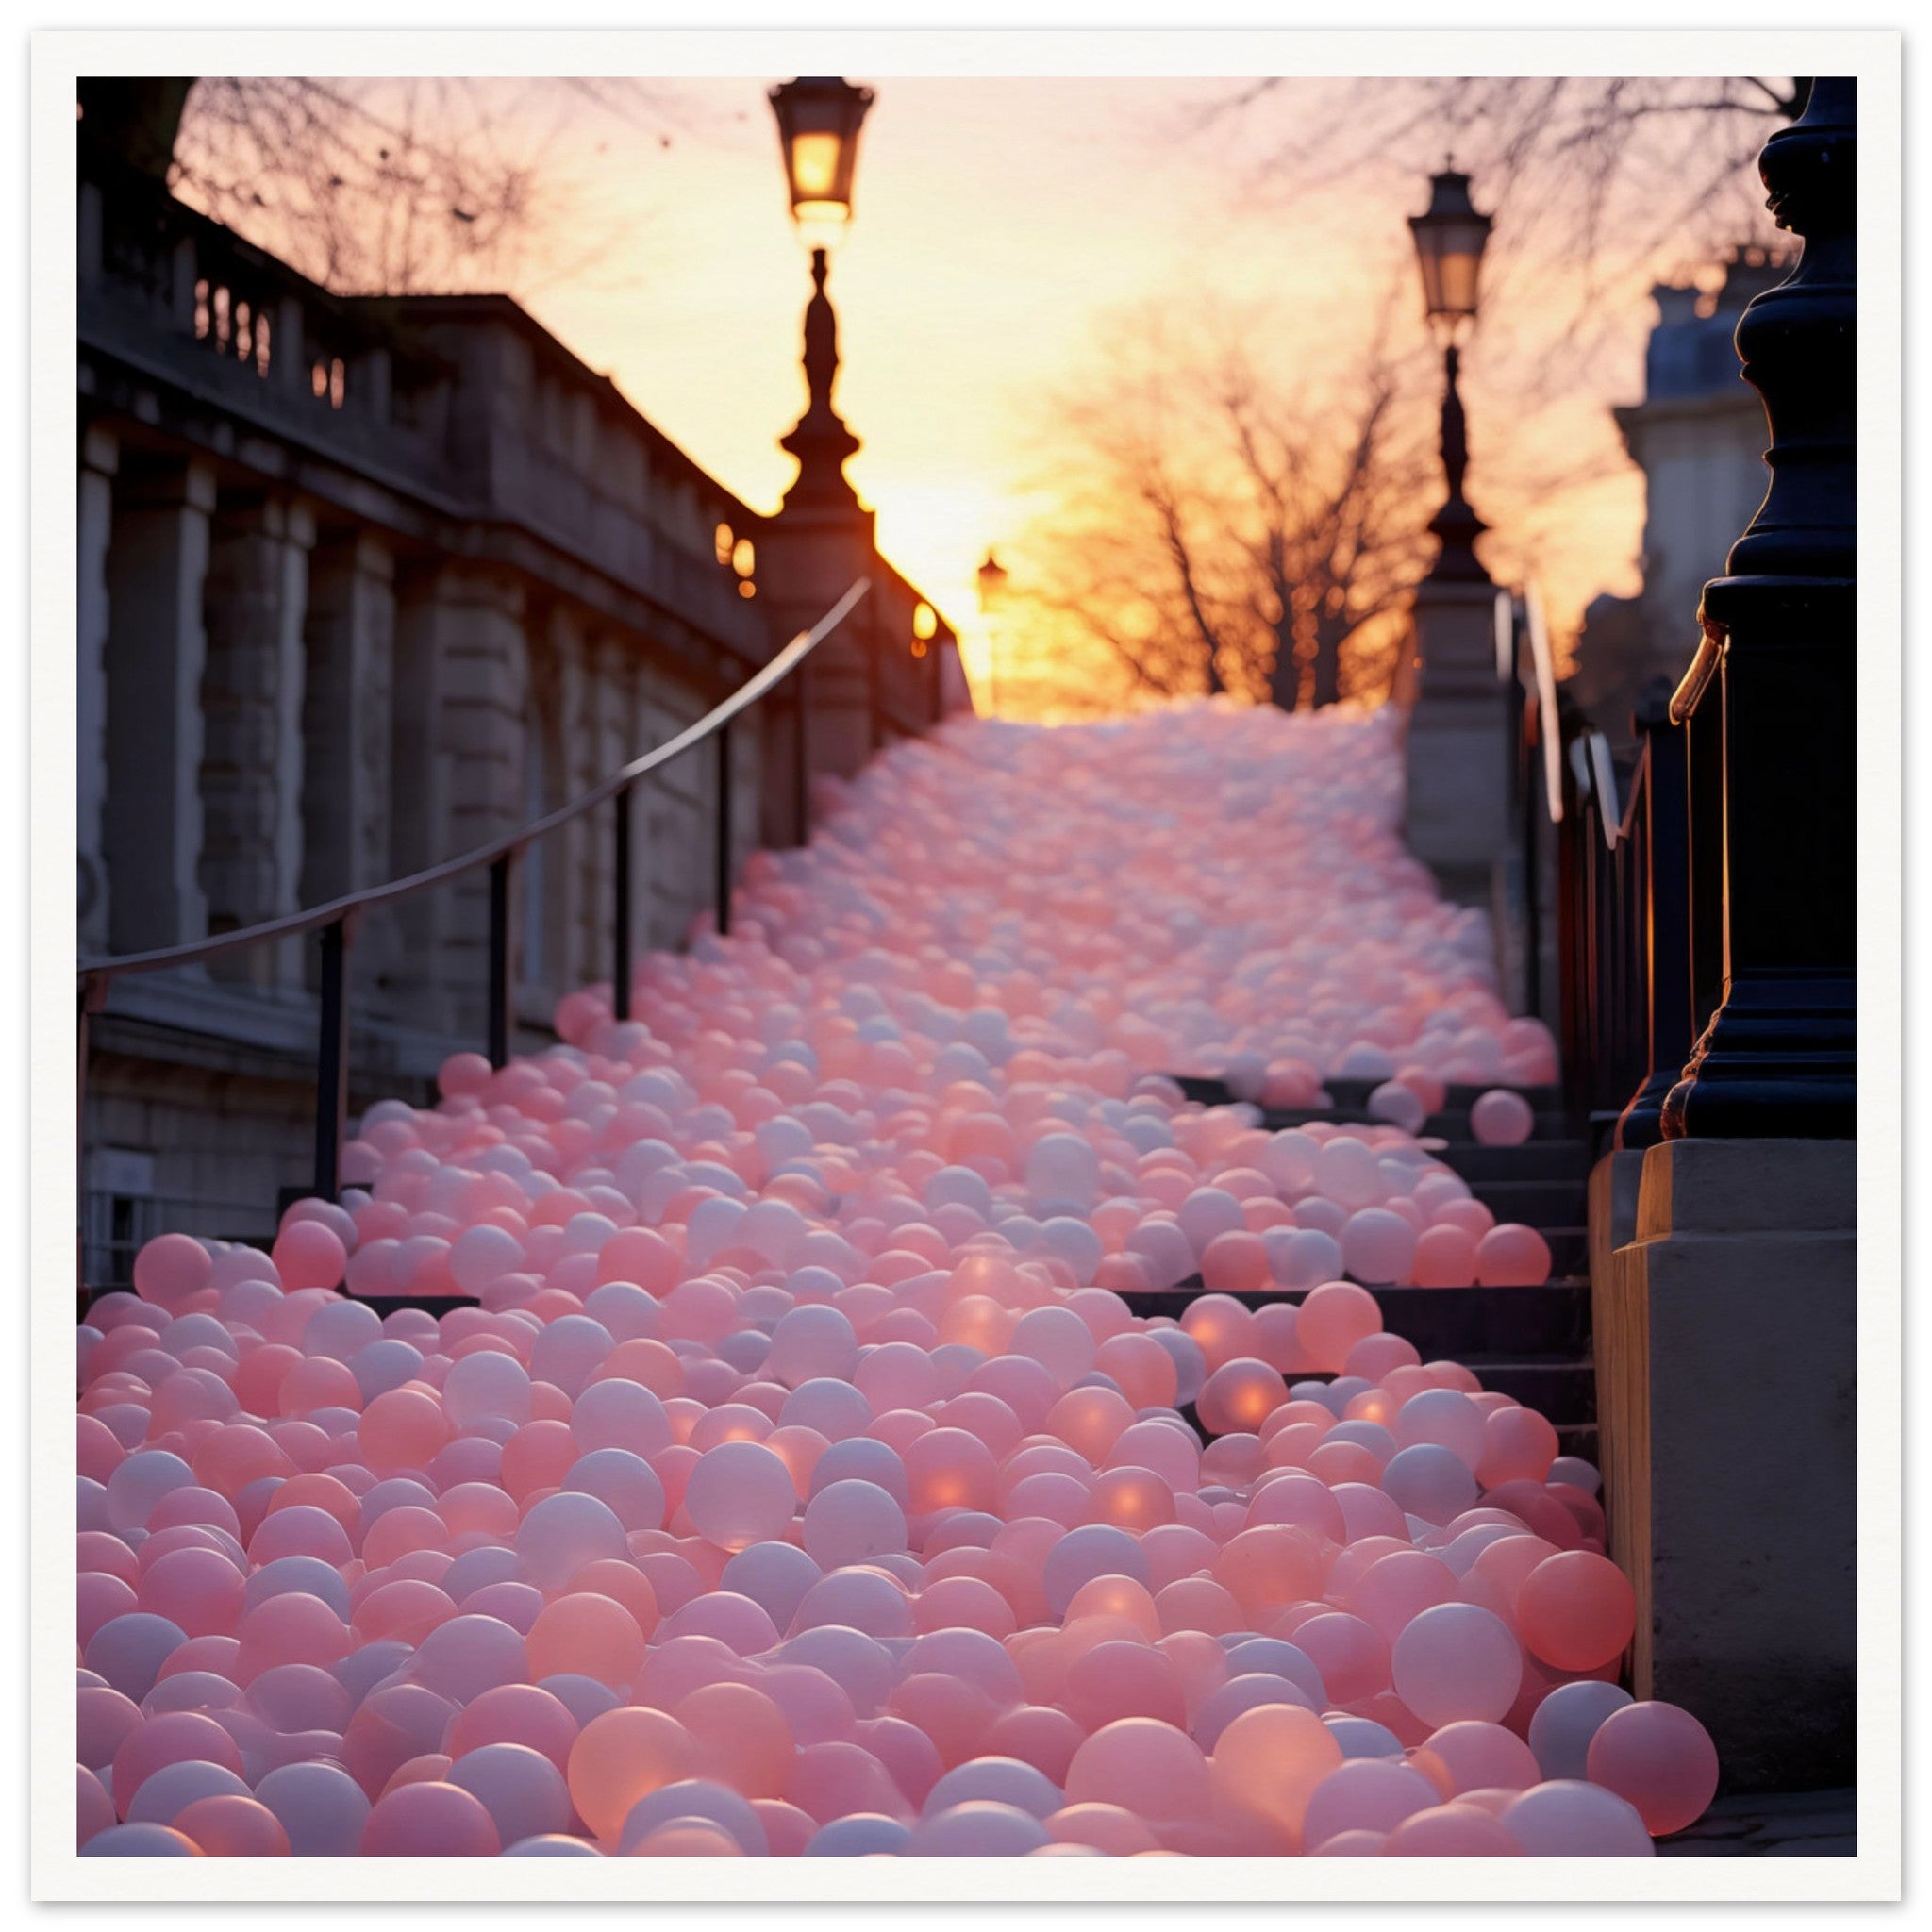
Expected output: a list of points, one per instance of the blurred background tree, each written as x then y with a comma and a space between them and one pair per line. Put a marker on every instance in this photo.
382, 187
1217, 531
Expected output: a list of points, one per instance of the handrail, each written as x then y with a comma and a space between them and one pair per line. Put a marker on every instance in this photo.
1711, 639
293, 925
1640, 779
337, 922
1580, 767
1545, 670
1609, 813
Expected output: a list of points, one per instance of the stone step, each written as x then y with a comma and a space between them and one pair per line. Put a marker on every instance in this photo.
1451, 1124
1462, 1324
1352, 1096
1569, 1252
386, 1305
1537, 1203
1534, 1160
1560, 1391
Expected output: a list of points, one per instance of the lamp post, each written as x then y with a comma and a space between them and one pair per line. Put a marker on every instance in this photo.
1460, 744
1776, 682
821, 539
1449, 239
992, 575
818, 131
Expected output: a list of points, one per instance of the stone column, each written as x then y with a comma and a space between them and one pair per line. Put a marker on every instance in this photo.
151, 828
809, 558
823, 538
252, 689
1461, 751
99, 458
1726, 1339
456, 776
672, 828
580, 918
350, 638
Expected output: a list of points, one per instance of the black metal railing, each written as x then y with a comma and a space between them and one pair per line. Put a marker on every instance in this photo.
1616, 896
336, 921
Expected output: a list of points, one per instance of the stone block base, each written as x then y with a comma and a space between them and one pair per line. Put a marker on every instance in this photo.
1726, 1351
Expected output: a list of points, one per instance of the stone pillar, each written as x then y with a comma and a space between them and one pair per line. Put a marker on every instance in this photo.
809, 558
748, 736
457, 776
99, 458
580, 912
252, 694
350, 638
823, 538
673, 832
151, 828
1460, 753
1726, 1336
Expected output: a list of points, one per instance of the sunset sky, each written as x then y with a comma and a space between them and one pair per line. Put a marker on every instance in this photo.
1002, 228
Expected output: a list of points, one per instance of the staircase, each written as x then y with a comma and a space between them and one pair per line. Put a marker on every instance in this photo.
1532, 1343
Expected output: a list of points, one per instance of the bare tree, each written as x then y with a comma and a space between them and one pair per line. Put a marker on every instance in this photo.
379, 186
1217, 532
1600, 184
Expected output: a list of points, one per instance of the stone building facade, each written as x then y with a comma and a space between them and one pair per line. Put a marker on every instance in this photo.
364, 584
1698, 436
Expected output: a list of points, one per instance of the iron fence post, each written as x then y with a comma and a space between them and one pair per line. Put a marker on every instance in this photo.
621, 938
332, 1059
801, 769
724, 815
1668, 964
497, 1019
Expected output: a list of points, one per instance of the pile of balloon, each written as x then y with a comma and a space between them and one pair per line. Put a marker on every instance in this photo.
773, 1460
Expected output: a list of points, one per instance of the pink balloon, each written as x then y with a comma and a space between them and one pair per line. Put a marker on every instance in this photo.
429, 1820
1563, 1819
1660, 1759
1455, 1662
1501, 1118
1577, 1610
173, 1272
1142, 1765
1511, 1255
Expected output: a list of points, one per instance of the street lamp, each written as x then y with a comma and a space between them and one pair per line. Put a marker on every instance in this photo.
818, 128
1449, 239
818, 133
992, 575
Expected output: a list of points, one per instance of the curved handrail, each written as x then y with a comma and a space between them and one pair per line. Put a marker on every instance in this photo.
1545, 670
1605, 775
293, 925
1712, 641
1635, 792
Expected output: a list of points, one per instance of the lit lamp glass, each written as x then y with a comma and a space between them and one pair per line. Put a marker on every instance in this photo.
1449, 240
818, 130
